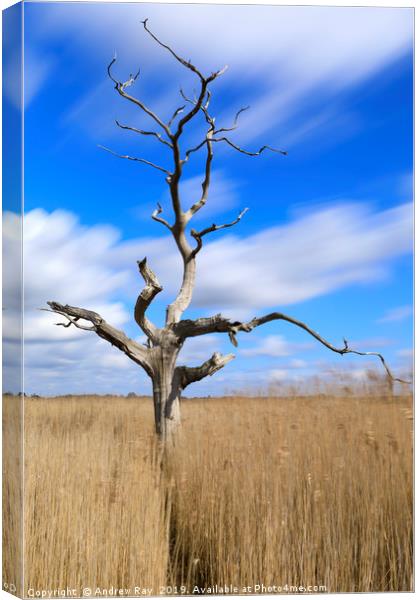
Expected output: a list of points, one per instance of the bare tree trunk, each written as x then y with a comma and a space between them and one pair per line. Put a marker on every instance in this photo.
166, 405
166, 393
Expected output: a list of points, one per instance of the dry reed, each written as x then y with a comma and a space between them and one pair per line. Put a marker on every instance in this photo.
313, 491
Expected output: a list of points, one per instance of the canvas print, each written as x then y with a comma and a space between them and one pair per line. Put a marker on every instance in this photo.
207, 299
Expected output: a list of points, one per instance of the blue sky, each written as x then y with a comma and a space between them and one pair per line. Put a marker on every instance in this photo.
328, 234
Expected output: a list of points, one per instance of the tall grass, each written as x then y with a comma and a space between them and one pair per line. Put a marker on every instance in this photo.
310, 491
12, 487
94, 501
305, 492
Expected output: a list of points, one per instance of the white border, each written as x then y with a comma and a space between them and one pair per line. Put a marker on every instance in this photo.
366, 3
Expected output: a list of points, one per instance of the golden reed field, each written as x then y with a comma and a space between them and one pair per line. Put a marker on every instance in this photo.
296, 491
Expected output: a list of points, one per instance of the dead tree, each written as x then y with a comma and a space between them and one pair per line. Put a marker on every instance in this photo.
159, 356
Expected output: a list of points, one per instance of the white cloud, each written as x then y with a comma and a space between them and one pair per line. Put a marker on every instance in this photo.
406, 353
274, 346
371, 343
310, 256
313, 254
278, 375
394, 315
359, 374
297, 363
92, 267
197, 350
66, 261
335, 44
287, 62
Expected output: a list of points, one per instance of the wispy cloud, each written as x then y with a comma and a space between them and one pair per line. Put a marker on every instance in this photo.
274, 346
287, 62
315, 254
394, 315
406, 353
369, 343
278, 375
39, 66
64, 258
197, 350
92, 267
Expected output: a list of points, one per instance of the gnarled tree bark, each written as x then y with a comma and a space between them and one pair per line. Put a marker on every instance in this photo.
158, 357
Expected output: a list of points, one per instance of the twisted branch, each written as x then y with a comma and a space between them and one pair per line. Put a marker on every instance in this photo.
235, 122
137, 353
198, 235
188, 375
70, 320
219, 324
155, 216
151, 289
121, 87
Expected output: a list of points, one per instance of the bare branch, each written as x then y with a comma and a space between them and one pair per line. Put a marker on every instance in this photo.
142, 132
203, 105
183, 300
110, 75
209, 120
381, 358
120, 87
151, 289
141, 160
198, 235
181, 60
209, 139
189, 375
70, 320
219, 324
187, 328
196, 107
132, 79
205, 185
207, 176
197, 103
195, 149
176, 113
75, 312
344, 350
155, 217
137, 353
235, 122
239, 149
185, 97
186, 63
216, 74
